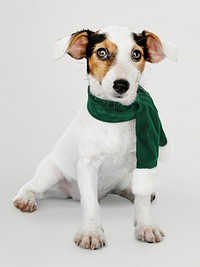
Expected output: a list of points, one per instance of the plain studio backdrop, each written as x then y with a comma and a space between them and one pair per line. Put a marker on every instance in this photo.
38, 99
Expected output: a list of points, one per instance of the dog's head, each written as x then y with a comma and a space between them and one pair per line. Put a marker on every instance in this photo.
116, 58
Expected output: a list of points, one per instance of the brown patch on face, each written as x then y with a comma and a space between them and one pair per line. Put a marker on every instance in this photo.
99, 67
141, 63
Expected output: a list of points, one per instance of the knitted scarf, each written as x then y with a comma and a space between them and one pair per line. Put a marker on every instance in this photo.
149, 131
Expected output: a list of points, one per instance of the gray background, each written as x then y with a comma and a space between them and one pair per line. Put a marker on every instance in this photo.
39, 98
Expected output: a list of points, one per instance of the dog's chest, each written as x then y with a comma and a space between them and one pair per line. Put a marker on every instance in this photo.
116, 138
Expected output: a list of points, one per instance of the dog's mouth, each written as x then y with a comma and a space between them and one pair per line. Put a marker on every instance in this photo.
124, 99
117, 95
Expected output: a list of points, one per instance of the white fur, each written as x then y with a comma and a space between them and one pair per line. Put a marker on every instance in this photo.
146, 228
94, 158
171, 51
144, 181
60, 47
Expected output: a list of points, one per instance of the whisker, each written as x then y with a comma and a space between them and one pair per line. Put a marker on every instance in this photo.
79, 62
81, 68
149, 70
94, 81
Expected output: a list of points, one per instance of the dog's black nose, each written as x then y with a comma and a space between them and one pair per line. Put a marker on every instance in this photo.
121, 86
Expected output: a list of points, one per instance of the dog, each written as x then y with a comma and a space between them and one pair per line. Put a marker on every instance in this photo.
95, 157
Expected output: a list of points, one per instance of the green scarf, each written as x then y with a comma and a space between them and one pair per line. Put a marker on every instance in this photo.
149, 131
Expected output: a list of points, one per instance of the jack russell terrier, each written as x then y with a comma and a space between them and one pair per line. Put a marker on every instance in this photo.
116, 140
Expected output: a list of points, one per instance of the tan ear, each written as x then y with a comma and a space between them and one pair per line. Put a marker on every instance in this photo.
159, 49
74, 45
77, 45
154, 47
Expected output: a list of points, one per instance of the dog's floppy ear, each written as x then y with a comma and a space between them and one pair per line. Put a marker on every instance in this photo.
74, 45
158, 50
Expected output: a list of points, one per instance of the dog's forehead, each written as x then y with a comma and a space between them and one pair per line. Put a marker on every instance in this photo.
118, 35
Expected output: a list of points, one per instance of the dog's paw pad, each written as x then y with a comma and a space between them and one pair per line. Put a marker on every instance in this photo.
90, 239
150, 234
25, 204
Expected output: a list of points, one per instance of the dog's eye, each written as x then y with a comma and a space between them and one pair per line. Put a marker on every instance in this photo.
136, 55
102, 53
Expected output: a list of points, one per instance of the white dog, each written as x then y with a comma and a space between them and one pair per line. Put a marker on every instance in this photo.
97, 155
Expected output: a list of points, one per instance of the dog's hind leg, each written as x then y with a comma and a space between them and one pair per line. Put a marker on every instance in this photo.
47, 175
127, 193
124, 189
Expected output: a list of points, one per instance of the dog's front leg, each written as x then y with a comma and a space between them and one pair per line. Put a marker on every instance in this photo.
90, 234
145, 227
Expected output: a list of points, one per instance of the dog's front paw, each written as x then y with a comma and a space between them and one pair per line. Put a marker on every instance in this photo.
90, 239
149, 233
25, 204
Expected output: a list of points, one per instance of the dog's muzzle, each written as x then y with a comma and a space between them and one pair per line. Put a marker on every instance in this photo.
121, 86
